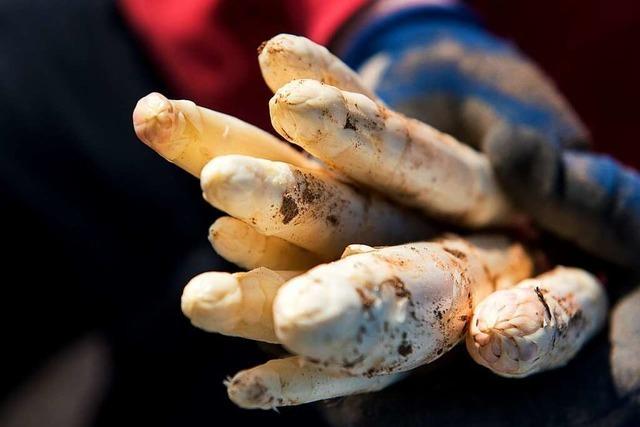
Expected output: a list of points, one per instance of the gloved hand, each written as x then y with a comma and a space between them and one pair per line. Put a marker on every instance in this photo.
438, 65
359, 323
377, 311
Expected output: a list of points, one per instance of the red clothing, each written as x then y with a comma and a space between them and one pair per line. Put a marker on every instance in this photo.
206, 49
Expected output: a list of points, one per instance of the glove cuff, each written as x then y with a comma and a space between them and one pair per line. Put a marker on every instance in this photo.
367, 32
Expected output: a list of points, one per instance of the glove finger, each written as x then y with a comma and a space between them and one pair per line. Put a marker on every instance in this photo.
464, 82
586, 198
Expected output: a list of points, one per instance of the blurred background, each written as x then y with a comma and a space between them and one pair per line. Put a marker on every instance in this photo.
101, 234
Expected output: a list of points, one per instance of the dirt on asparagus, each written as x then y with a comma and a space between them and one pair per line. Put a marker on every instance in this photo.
311, 197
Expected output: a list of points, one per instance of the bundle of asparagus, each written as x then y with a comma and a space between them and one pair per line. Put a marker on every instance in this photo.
358, 317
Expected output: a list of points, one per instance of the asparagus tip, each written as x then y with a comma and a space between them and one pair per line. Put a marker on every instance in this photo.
153, 120
507, 329
211, 300
254, 389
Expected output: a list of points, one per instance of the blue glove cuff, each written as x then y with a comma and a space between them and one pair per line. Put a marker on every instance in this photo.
409, 26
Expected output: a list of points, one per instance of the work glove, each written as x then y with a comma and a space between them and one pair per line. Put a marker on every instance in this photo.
360, 323
439, 65
357, 324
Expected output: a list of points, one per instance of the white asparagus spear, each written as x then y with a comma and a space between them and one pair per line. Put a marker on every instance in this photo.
238, 304
309, 209
286, 57
291, 381
538, 325
390, 309
241, 244
405, 159
190, 136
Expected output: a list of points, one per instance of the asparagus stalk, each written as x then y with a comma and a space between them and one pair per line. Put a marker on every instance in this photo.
243, 245
306, 208
286, 57
291, 381
405, 159
390, 309
190, 136
538, 325
237, 304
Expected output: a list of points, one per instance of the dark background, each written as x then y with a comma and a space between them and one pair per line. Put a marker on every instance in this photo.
100, 234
